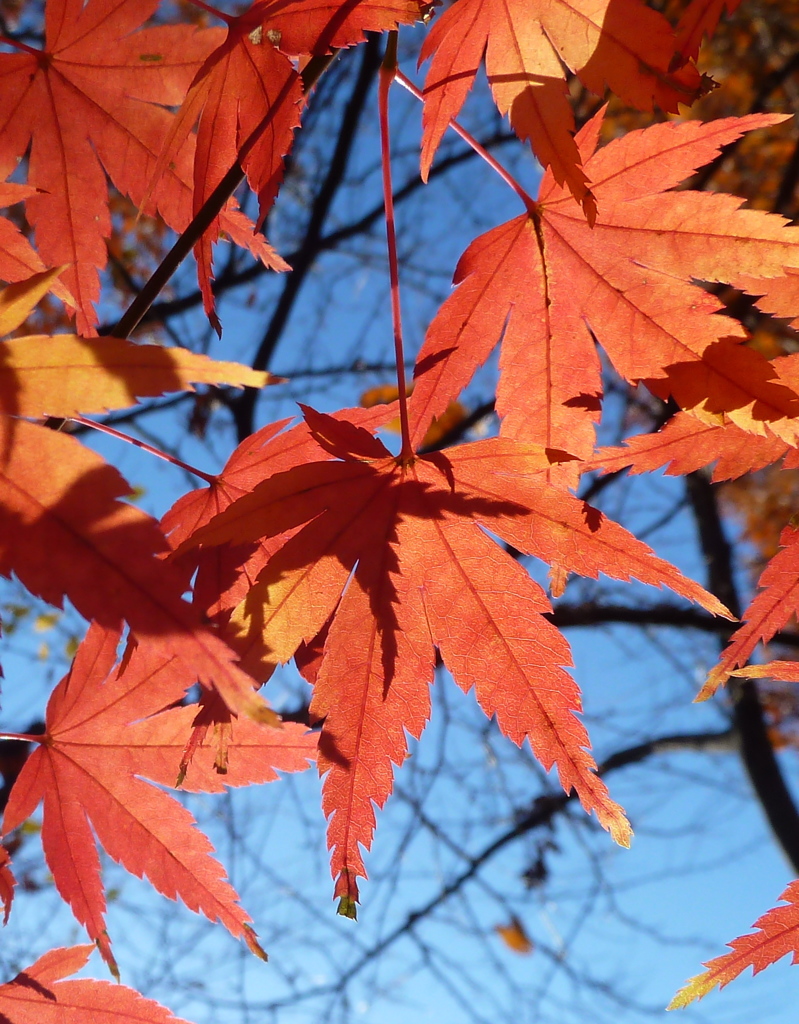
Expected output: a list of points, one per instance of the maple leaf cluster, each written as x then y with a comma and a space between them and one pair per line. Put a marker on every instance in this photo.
315, 542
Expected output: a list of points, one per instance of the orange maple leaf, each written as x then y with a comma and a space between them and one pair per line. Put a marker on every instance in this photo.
65, 374
104, 730
390, 560
770, 610
781, 671
777, 934
38, 994
94, 102
620, 43
18, 300
549, 286
246, 94
686, 444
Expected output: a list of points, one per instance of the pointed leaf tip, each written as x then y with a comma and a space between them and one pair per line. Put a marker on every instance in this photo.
696, 988
18, 300
104, 946
259, 711
347, 907
621, 831
718, 677
253, 944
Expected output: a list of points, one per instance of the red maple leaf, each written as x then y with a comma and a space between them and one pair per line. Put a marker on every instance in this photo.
64, 532
247, 96
94, 102
104, 732
777, 934
38, 995
391, 561
616, 43
550, 286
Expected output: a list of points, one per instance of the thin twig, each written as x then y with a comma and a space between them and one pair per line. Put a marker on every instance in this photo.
211, 208
388, 70
104, 428
471, 141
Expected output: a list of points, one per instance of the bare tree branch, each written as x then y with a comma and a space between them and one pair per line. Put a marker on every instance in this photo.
541, 813
756, 750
